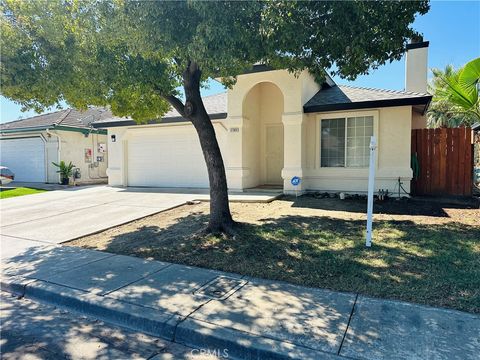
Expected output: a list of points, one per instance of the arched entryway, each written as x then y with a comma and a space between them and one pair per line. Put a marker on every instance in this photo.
263, 138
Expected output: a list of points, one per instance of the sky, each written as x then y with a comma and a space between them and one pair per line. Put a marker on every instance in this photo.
451, 27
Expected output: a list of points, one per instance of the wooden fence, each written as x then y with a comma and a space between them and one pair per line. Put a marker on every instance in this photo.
444, 158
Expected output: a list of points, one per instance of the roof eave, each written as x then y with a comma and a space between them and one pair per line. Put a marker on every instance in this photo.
80, 130
169, 120
53, 127
423, 100
26, 129
427, 105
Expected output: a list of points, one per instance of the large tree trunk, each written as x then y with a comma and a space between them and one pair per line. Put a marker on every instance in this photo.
220, 217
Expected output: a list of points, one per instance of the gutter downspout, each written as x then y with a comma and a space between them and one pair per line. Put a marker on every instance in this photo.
59, 148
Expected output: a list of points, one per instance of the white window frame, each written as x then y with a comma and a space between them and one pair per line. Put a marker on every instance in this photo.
345, 115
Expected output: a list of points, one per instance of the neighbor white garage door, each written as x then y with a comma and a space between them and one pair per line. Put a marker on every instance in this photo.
166, 157
25, 157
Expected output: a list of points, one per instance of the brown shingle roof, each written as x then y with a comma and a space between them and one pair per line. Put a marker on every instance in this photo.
216, 106
67, 117
344, 97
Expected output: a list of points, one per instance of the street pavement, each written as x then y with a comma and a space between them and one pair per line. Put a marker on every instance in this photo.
32, 330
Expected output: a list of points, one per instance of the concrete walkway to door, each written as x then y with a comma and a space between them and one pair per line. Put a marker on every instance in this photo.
62, 215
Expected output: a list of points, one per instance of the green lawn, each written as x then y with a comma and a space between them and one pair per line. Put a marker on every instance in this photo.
8, 193
429, 257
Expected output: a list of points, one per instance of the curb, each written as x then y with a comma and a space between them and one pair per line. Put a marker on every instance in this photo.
242, 345
225, 342
15, 285
107, 309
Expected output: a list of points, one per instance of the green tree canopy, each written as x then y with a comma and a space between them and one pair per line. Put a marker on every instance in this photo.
133, 55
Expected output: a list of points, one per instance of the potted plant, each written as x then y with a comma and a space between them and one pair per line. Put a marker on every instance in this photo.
65, 171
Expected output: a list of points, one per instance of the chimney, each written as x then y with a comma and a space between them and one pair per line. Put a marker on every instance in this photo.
416, 66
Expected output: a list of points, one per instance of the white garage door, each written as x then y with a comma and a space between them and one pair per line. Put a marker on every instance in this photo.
25, 157
166, 157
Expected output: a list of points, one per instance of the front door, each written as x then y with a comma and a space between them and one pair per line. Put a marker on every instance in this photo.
274, 154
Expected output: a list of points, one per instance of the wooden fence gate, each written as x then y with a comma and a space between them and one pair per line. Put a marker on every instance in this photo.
442, 161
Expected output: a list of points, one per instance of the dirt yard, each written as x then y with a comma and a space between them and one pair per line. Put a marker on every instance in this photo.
423, 252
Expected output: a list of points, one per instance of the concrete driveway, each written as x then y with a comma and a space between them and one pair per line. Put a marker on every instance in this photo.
62, 215
57, 216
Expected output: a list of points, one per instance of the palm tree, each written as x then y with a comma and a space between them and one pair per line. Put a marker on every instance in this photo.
455, 96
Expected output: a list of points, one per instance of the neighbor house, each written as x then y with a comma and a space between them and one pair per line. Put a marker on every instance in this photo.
272, 126
29, 146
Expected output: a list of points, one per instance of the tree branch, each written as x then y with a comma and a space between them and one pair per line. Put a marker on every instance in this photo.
176, 103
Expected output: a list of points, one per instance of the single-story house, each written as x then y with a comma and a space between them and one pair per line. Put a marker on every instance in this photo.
272, 126
29, 146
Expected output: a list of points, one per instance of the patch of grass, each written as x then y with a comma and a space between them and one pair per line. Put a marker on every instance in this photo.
435, 263
8, 193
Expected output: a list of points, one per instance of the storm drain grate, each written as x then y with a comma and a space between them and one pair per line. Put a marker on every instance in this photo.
221, 287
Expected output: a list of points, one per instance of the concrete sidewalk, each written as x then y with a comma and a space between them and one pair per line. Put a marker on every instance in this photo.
250, 318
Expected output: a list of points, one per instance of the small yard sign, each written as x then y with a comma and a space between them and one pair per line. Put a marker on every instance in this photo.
295, 181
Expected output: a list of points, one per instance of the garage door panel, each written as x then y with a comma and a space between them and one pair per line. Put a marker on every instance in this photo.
25, 157
166, 158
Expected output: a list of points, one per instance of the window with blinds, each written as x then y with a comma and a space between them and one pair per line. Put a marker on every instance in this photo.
345, 141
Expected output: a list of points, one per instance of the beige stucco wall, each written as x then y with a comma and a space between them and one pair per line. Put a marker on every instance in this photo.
392, 128
419, 121
416, 70
278, 97
251, 137
262, 107
73, 145
116, 170
52, 153
295, 91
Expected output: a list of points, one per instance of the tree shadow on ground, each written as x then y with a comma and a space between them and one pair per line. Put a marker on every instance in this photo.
33, 331
431, 264
43, 331
391, 206
309, 317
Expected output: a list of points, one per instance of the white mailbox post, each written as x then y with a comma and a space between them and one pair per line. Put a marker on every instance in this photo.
371, 184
